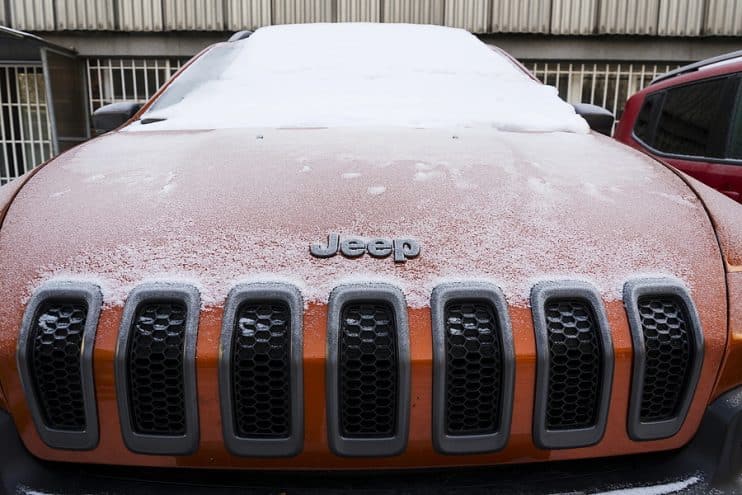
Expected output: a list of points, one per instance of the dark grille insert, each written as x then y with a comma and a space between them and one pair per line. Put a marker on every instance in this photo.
155, 369
368, 372
261, 374
575, 365
473, 368
56, 344
667, 343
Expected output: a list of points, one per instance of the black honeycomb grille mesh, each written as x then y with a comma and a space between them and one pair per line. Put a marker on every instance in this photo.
368, 370
261, 371
156, 377
575, 362
668, 356
473, 369
56, 344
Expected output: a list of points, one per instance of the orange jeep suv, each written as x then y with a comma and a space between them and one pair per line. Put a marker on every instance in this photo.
380, 257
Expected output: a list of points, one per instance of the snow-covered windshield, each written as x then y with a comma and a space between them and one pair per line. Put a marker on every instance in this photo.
350, 75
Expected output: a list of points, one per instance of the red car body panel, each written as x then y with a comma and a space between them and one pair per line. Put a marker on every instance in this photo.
723, 175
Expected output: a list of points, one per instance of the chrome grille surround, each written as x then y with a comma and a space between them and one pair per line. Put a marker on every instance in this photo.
160, 444
541, 295
292, 443
87, 437
371, 445
634, 291
492, 296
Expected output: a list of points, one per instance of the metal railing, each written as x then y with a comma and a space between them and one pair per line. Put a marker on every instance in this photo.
25, 130
608, 85
127, 79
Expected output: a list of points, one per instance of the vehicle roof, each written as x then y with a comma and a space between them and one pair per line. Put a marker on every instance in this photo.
713, 67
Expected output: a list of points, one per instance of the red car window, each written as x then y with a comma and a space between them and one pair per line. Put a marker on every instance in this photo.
735, 142
689, 118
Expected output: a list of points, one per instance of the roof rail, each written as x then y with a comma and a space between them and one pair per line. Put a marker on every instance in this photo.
240, 35
697, 65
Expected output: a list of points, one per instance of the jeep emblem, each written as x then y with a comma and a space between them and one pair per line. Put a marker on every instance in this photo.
353, 247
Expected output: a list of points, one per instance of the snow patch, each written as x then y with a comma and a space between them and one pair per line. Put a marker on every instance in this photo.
350, 75
376, 190
351, 175
663, 489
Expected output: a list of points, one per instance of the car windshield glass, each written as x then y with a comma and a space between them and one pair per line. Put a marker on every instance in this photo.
340, 75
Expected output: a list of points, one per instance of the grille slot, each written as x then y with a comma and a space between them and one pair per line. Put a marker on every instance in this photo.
368, 370
260, 370
261, 373
575, 365
156, 374
575, 362
668, 354
473, 369
55, 362
155, 369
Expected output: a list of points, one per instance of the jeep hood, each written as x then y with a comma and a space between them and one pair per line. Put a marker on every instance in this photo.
217, 207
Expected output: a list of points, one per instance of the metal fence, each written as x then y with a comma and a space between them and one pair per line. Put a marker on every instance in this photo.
25, 129
127, 79
608, 85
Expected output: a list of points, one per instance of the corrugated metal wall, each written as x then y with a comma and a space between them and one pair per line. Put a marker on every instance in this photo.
96, 15
573, 16
140, 15
472, 15
414, 11
680, 18
628, 16
293, 11
526, 16
194, 15
359, 10
723, 18
559, 17
247, 15
37, 15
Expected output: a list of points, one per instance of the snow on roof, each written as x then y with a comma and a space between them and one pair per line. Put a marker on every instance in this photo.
349, 75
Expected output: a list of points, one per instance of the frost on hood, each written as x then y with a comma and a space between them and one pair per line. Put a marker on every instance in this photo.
214, 208
340, 75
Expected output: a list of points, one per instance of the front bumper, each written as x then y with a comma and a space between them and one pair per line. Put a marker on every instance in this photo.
711, 461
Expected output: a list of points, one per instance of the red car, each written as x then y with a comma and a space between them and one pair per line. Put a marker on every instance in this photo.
691, 118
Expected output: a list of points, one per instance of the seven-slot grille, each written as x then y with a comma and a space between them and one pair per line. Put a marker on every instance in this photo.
56, 349
368, 371
367, 367
260, 368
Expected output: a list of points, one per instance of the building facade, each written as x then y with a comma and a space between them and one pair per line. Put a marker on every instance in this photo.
593, 51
